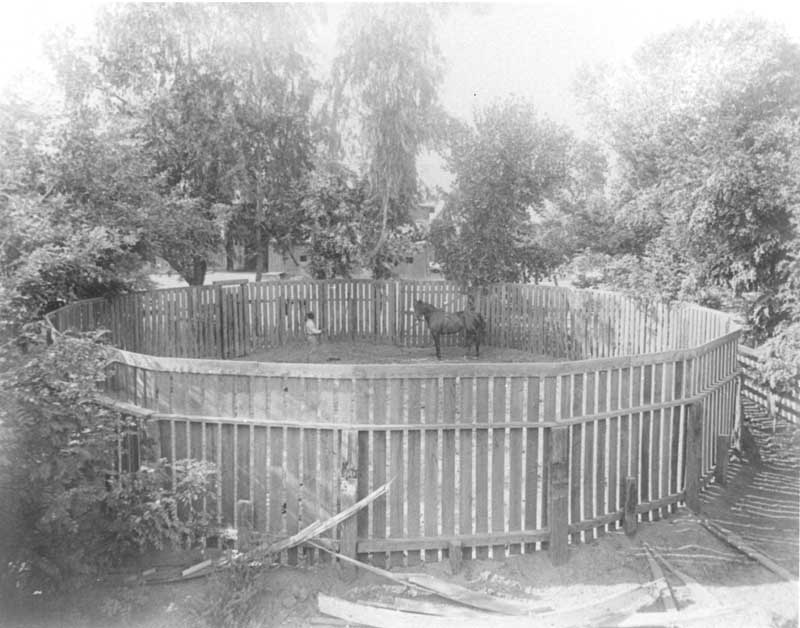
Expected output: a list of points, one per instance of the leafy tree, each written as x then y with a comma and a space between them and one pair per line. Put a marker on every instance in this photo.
333, 209
272, 112
507, 169
67, 511
386, 77
703, 125
70, 222
339, 218
220, 95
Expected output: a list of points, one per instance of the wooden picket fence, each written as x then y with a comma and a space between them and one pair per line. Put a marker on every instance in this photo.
780, 405
234, 319
497, 458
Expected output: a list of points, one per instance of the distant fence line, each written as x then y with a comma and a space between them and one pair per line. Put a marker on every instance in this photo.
232, 319
500, 458
779, 404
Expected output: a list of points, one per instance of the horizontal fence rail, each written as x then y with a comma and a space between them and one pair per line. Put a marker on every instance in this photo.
500, 458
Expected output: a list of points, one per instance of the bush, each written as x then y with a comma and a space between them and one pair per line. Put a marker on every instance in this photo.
233, 596
67, 511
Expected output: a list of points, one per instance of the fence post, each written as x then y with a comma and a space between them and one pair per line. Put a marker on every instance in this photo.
558, 495
455, 555
401, 311
281, 319
629, 519
190, 329
353, 315
721, 468
694, 456
244, 320
244, 524
219, 294
135, 322
348, 484
323, 310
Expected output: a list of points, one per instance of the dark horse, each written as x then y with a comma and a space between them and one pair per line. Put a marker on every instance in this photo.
441, 322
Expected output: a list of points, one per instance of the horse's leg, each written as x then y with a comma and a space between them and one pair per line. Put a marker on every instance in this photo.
436, 342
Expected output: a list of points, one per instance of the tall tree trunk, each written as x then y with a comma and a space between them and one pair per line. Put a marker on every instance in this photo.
259, 234
384, 222
229, 251
199, 268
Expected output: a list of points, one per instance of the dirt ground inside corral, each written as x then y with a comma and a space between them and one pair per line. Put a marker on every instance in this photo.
362, 352
758, 502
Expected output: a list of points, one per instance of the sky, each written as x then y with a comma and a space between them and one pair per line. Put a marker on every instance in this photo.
531, 49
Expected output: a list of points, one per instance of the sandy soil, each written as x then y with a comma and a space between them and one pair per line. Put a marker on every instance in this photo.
374, 353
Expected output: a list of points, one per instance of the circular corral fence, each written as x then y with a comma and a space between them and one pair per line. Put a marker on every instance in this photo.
484, 458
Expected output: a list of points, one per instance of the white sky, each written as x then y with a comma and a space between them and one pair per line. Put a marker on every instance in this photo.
531, 49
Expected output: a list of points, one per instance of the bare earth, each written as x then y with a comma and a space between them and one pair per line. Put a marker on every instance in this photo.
374, 353
760, 503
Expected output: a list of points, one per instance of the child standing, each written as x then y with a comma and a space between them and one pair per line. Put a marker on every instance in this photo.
312, 331
313, 334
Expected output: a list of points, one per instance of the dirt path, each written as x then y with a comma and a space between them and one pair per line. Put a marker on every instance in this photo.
761, 502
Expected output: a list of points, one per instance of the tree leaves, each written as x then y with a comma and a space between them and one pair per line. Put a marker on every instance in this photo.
507, 168
388, 71
704, 124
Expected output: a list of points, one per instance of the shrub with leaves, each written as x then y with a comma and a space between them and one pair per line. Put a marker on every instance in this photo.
233, 596
67, 510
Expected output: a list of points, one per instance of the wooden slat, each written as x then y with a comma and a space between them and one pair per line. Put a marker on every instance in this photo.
379, 461
396, 471
292, 485
465, 474
276, 482
228, 473
413, 488
448, 493
590, 462
211, 433
482, 462
363, 488
516, 477
498, 468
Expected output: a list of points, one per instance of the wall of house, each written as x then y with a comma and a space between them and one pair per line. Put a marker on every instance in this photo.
417, 267
276, 262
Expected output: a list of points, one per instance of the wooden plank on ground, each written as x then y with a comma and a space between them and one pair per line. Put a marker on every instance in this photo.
366, 615
607, 612
744, 616
699, 594
425, 607
734, 540
665, 593
463, 595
